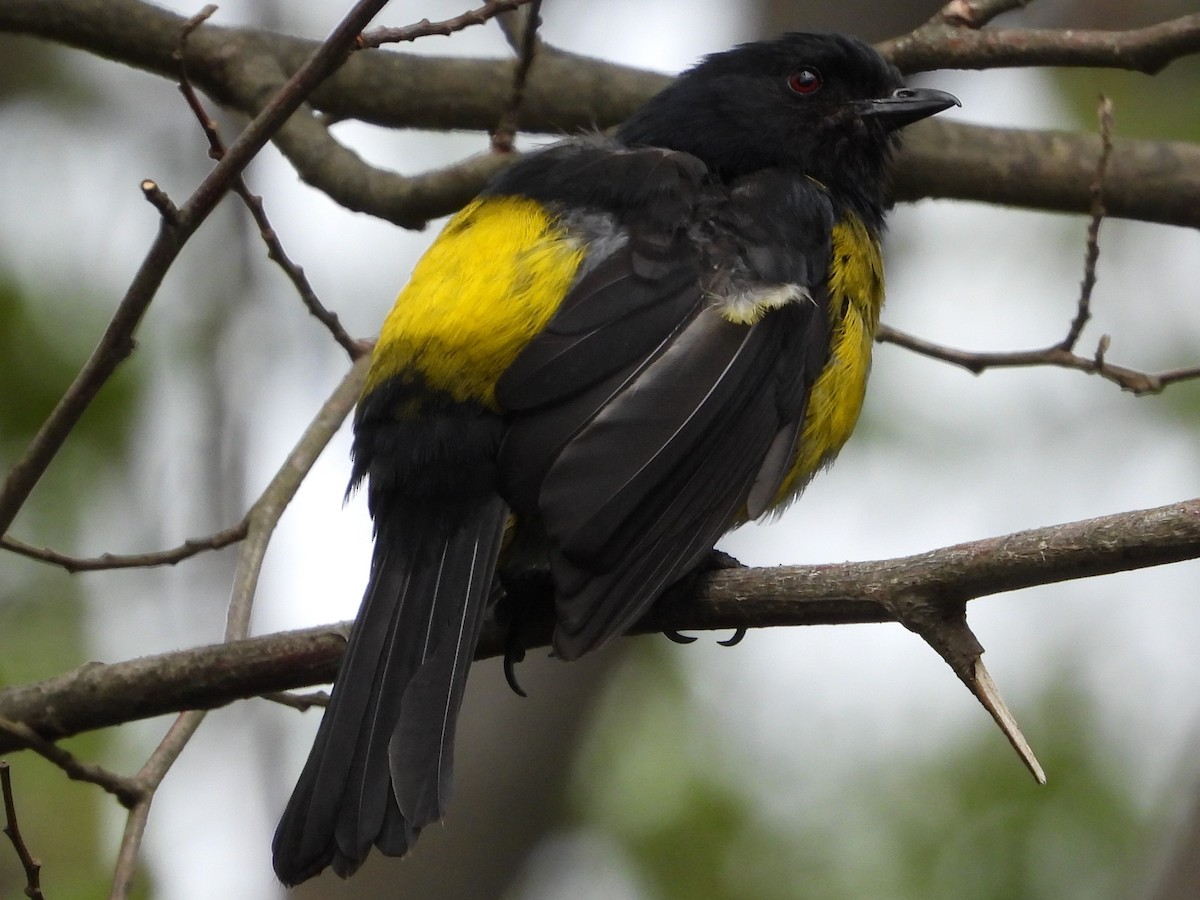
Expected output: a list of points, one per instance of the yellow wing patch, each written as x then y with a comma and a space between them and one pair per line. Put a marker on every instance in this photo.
490, 282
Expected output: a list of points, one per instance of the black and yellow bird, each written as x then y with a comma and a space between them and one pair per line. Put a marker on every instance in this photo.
624, 347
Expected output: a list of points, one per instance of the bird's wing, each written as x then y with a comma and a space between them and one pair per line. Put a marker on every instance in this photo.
669, 384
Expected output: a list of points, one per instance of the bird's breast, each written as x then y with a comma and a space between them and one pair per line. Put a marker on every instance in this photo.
835, 401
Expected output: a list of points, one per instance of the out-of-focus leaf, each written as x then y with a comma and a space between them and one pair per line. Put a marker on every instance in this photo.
1144, 106
38, 70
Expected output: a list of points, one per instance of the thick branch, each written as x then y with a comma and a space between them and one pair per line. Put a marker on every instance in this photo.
943, 45
96, 696
1149, 181
565, 92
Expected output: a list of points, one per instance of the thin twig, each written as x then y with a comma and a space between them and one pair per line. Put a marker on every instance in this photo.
1092, 254
117, 342
148, 778
31, 865
506, 128
323, 62
254, 202
261, 519
379, 36
1127, 379
127, 855
158, 198
264, 514
189, 548
124, 789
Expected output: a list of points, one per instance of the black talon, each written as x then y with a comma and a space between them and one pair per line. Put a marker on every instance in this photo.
675, 637
734, 639
513, 654
714, 561
510, 615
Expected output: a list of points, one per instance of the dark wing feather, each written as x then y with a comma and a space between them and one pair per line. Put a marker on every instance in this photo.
579, 350
644, 434
380, 768
637, 526
637, 454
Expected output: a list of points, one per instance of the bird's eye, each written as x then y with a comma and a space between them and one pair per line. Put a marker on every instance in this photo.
805, 81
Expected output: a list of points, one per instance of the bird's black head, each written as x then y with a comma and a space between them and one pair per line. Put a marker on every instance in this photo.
825, 104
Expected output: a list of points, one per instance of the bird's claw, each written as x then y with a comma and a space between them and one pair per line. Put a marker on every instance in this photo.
676, 638
734, 639
513, 654
731, 641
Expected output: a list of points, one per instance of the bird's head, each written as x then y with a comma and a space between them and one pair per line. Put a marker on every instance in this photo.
826, 104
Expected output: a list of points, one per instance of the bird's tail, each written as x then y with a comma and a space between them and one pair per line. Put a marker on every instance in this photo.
381, 766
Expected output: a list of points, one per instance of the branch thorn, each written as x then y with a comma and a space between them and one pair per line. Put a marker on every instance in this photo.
942, 624
988, 694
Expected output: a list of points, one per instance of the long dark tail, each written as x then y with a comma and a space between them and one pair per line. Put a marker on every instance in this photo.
381, 766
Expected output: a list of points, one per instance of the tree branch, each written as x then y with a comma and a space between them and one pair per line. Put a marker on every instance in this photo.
976, 362
98, 696
567, 91
254, 203
944, 43
117, 341
104, 561
33, 868
1149, 180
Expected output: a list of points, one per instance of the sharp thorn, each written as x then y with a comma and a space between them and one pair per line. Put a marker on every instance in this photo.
989, 695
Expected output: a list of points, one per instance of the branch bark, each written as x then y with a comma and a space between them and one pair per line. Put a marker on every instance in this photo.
1151, 181
98, 696
947, 44
239, 67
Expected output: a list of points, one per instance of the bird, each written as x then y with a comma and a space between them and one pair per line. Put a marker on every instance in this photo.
625, 346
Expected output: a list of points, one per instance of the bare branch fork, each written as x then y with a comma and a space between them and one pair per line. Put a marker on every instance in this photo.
254, 203
117, 342
1062, 353
12, 829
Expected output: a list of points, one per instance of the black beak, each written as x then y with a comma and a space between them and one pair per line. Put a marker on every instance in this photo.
906, 105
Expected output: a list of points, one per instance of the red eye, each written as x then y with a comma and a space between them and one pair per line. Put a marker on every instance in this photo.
805, 81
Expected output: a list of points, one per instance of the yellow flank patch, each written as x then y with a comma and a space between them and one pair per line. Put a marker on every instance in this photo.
856, 297
490, 282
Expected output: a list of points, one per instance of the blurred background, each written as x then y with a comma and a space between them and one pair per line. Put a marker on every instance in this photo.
838, 762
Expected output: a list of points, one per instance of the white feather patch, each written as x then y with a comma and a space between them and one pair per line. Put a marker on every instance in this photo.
748, 306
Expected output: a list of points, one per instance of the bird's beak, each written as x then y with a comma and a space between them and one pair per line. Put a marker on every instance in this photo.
906, 105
